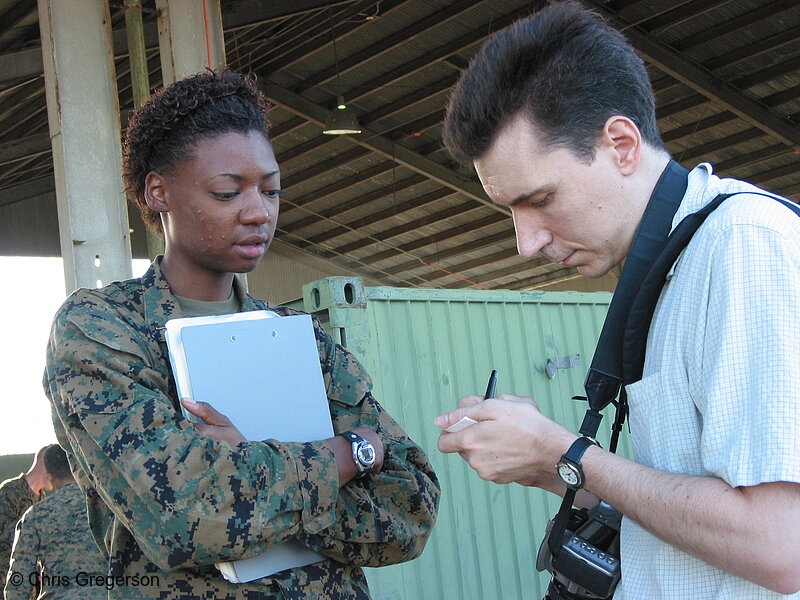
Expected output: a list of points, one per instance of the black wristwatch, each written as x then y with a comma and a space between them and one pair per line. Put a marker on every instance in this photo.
569, 467
363, 452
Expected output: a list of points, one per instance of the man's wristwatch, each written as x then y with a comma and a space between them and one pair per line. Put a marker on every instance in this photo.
569, 467
363, 452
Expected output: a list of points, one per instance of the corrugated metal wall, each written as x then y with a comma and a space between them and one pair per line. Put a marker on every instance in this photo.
424, 350
280, 277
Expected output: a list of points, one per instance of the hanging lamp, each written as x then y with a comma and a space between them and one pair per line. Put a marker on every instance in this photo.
341, 120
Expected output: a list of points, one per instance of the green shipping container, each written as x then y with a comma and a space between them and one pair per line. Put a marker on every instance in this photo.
426, 348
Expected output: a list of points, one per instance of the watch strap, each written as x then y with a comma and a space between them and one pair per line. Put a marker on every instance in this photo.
353, 437
577, 449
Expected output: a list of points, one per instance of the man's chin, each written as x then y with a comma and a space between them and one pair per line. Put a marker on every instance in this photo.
592, 271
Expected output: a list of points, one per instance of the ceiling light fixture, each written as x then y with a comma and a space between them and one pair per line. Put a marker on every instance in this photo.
341, 120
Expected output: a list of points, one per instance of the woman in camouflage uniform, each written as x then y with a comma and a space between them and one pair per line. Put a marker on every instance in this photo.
168, 499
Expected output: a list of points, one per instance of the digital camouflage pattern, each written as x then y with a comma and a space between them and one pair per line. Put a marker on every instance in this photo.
54, 547
16, 496
166, 502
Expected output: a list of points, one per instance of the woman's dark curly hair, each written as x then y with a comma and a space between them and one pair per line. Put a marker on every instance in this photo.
167, 129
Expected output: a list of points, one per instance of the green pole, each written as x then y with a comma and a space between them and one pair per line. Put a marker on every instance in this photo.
140, 84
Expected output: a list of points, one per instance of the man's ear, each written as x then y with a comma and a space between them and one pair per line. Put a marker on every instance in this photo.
623, 138
155, 193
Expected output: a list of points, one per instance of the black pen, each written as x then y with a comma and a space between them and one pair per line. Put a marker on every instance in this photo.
492, 385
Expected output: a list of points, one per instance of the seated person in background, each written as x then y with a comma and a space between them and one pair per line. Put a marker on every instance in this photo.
16, 496
53, 546
166, 497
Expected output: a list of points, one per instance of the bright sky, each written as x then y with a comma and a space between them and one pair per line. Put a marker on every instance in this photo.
26, 312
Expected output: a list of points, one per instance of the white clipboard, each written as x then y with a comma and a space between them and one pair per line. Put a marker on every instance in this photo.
263, 372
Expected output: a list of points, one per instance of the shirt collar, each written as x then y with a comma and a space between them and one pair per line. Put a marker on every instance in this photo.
700, 191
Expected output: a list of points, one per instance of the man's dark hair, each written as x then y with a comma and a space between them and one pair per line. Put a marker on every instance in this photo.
56, 463
566, 69
167, 129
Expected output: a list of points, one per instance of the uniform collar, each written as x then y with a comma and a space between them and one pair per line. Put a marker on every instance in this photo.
160, 304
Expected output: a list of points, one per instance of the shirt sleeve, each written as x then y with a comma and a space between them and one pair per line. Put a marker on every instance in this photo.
23, 571
386, 517
747, 385
186, 499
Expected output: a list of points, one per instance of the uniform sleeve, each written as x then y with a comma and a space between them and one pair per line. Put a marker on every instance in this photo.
747, 385
383, 518
23, 571
187, 500
15, 498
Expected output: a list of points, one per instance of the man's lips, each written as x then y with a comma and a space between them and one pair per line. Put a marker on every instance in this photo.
565, 261
555, 259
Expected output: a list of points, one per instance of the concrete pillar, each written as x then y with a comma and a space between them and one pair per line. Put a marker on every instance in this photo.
190, 37
83, 114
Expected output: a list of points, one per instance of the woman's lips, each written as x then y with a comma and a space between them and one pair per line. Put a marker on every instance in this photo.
253, 246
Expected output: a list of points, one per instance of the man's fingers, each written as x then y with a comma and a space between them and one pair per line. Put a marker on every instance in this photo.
477, 411
469, 401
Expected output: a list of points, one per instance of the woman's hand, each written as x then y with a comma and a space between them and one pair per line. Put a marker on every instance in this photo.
215, 425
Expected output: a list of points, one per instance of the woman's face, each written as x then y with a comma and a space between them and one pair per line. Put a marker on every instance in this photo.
219, 206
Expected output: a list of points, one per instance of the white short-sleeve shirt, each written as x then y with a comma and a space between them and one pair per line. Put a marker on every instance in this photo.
720, 393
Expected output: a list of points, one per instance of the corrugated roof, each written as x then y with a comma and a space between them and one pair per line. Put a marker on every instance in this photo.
389, 204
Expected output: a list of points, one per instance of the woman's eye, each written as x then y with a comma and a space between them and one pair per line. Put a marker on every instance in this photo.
273, 194
224, 195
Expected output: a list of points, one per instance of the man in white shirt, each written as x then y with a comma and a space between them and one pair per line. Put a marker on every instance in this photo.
557, 115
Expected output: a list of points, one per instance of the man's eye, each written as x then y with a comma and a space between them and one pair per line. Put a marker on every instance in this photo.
541, 202
224, 195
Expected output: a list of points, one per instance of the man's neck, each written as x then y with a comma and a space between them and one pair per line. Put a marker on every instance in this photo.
653, 164
57, 483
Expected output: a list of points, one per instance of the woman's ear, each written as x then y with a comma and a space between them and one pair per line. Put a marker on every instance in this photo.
155, 193
623, 138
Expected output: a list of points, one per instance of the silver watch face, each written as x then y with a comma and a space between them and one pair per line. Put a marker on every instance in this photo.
568, 474
365, 454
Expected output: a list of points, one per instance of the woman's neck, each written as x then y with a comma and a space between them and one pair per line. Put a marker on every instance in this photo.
197, 283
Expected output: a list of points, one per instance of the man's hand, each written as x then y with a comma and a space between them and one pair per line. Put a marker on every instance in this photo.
511, 442
215, 425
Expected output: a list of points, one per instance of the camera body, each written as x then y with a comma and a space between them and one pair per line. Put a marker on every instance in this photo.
587, 565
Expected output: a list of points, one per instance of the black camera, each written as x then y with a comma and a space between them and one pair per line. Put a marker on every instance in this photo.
586, 565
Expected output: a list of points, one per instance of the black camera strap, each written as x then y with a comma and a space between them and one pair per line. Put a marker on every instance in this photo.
604, 379
620, 351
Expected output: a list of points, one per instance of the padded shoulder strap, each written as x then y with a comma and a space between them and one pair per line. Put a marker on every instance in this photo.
604, 377
637, 326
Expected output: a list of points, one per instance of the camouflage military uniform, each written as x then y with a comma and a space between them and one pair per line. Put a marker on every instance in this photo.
54, 547
16, 496
167, 503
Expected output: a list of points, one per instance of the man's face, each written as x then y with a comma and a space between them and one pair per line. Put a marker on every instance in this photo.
222, 205
572, 212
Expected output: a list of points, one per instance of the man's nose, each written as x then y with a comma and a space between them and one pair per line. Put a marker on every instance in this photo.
532, 235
